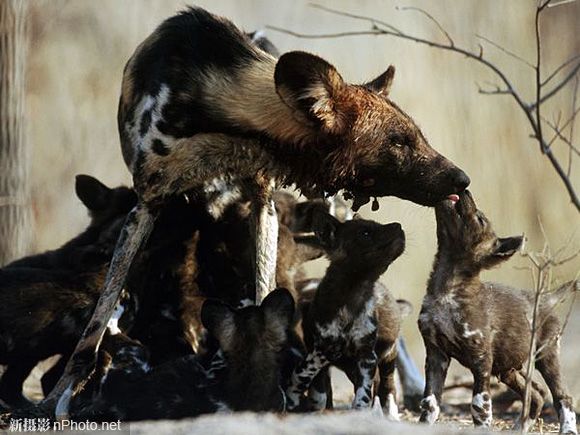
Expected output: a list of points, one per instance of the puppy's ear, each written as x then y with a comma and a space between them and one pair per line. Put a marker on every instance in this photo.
93, 194
325, 228
310, 86
507, 246
279, 308
219, 320
382, 84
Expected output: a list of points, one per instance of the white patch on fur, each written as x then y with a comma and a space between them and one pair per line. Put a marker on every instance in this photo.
113, 324
247, 302
376, 409
222, 407
480, 402
312, 285
467, 333
567, 419
317, 399
221, 194
392, 408
430, 408
145, 105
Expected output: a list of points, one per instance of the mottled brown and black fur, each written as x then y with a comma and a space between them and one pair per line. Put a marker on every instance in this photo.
483, 325
350, 323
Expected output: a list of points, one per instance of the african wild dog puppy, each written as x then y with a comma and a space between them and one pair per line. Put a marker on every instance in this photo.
245, 373
390, 312
484, 325
342, 325
48, 298
94, 246
244, 113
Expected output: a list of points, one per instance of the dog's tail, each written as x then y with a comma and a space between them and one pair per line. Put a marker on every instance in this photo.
559, 295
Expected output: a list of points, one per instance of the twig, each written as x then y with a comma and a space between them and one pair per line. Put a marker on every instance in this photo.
557, 70
430, 17
505, 50
571, 136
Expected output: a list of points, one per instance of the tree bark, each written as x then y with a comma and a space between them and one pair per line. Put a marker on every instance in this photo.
14, 183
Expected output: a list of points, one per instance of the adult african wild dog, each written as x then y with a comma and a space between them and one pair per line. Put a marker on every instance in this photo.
350, 323
485, 325
200, 101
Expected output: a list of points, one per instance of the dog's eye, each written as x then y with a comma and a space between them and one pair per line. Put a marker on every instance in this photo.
366, 233
397, 140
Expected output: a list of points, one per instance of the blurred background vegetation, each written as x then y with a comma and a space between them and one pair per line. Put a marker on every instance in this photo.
79, 47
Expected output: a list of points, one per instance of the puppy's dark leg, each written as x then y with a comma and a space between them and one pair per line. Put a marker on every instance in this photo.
137, 228
303, 376
549, 366
387, 390
320, 392
51, 377
481, 411
12, 381
362, 377
436, 366
517, 382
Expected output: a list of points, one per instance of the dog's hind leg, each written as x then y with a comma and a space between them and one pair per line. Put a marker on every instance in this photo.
136, 230
266, 241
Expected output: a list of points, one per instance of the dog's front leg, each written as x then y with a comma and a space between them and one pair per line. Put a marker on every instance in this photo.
136, 230
266, 242
363, 380
436, 366
481, 402
303, 376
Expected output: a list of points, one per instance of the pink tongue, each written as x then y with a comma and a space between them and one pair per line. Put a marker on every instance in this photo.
453, 198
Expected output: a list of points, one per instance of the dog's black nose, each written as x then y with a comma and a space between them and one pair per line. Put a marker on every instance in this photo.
460, 180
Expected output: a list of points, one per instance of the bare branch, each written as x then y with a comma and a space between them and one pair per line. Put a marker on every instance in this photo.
505, 50
560, 68
324, 36
559, 135
433, 20
571, 135
559, 86
355, 16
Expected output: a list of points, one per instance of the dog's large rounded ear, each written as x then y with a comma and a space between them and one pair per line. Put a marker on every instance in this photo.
279, 308
309, 85
507, 246
218, 319
93, 194
325, 227
382, 84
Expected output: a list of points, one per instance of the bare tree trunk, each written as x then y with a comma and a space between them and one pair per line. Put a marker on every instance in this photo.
14, 189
